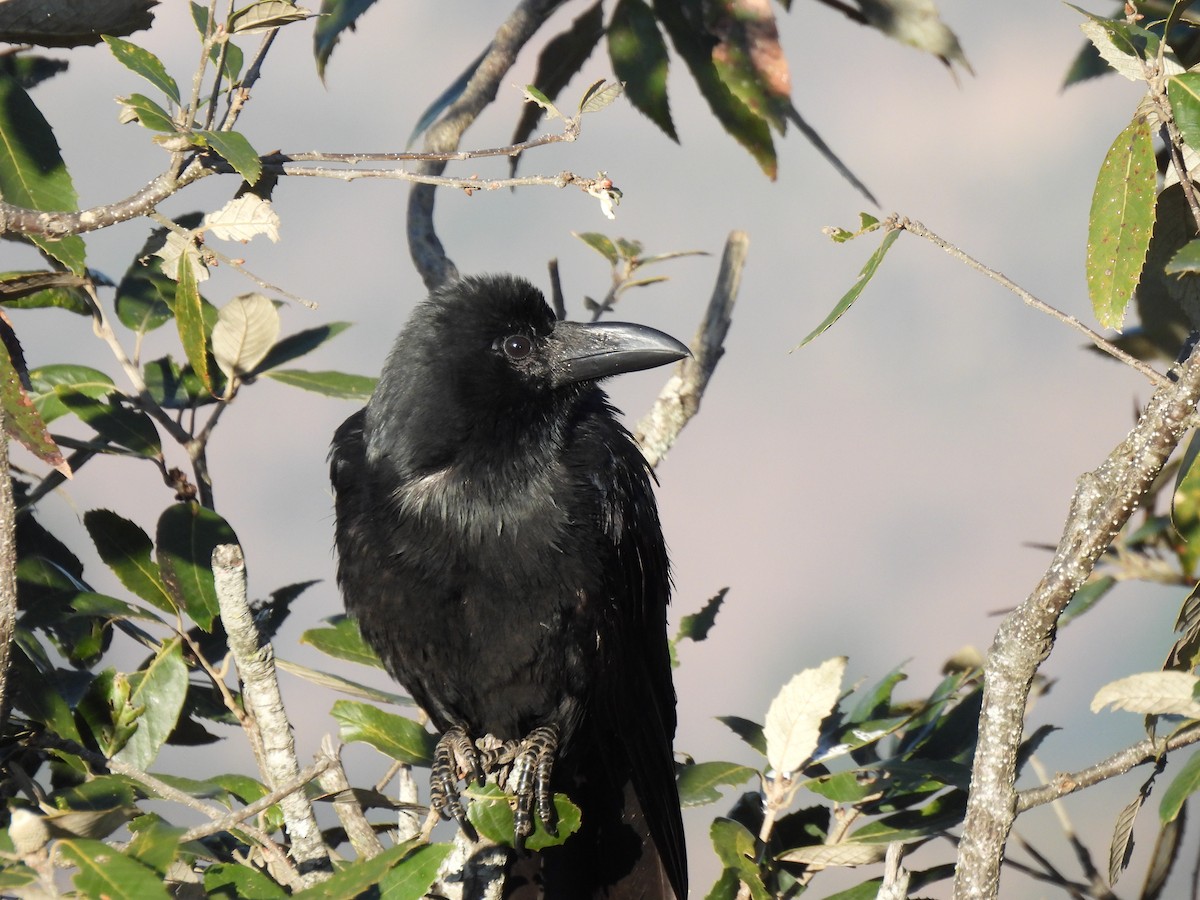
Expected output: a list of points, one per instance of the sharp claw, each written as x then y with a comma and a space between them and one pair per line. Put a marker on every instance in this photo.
454, 754
530, 781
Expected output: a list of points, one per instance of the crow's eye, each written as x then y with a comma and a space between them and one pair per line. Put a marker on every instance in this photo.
517, 346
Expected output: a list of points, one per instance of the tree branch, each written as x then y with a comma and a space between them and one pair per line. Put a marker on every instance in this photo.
1148, 750
274, 747
1104, 500
1029, 299
8, 571
679, 399
427, 252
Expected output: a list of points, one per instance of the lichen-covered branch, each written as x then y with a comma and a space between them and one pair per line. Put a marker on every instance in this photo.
8, 570
275, 749
1103, 502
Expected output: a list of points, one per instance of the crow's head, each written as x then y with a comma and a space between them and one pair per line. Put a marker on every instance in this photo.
484, 357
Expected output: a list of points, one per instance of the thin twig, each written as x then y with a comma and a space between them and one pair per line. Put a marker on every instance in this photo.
237, 818
1119, 763
916, 228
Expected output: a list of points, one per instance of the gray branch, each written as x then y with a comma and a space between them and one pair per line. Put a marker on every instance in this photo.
1103, 502
679, 399
274, 747
428, 254
8, 571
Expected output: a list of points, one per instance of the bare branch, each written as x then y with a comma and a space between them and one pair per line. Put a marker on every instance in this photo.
8, 571
260, 691
362, 836
679, 399
1118, 764
1099, 340
427, 252
1103, 502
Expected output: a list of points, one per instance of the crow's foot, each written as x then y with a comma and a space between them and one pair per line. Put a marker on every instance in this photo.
529, 781
454, 757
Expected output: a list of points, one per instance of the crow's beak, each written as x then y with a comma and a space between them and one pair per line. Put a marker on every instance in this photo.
599, 349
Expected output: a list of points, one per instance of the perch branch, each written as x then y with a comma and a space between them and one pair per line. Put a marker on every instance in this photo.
1103, 501
274, 746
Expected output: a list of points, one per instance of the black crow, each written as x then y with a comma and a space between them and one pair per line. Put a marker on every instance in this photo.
500, 547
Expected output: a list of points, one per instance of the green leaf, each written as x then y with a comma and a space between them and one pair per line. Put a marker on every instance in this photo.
32, 172
1182, 786
187, 535
1186, 261
695, 626
121, 425
173, 387
234, 882
737, 850
42, 289
48, 380
749, 60
600, 95
559, 61
155, 843
141, 109
358, 877
397, 737
1121, 222
263, 15
343, 685
235, 150
698, 783
750, 732
639, 58
336, 17
864, 276
22, 420
340, 385
601, 243
491, 813
296, 345
160, 688
125, 549
143, 62
935, 817
104, 872
146, 294
1184, 93
190, 321
694, 45
411, 879
342, 640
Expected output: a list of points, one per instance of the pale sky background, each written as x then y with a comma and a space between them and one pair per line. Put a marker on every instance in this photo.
874, 494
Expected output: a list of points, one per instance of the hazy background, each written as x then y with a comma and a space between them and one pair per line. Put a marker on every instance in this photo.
873, 495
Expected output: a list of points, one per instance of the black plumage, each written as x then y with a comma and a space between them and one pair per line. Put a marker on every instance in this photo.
500, 547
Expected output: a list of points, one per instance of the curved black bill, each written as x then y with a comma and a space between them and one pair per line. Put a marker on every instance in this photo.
599, 349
